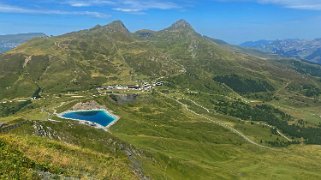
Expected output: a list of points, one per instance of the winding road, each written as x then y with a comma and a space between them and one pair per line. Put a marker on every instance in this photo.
218, 123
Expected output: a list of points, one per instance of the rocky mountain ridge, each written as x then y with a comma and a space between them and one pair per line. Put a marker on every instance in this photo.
309, 50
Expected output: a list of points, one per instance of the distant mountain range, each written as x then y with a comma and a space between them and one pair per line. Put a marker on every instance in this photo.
309, 50
11, 41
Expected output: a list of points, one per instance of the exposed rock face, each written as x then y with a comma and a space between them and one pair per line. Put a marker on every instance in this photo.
6, 127
180, 25
117, 26
27, 60
45, 131
124, 98
87, 106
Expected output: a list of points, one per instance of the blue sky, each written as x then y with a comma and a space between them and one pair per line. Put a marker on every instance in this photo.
234, 21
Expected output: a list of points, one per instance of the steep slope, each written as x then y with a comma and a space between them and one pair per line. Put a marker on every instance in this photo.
204, 60
106, 55
56, 154
82, 60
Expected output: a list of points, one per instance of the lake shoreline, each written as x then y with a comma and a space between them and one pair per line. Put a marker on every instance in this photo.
86, 122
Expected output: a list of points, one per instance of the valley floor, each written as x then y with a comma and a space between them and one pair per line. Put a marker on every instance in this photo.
160, 136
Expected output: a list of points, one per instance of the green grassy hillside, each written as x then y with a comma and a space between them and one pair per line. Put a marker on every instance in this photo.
220, 114
157, 136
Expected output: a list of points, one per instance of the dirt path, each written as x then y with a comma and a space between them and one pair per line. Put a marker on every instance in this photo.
260, 123
218, 123
282, 88
55, 108
199, 105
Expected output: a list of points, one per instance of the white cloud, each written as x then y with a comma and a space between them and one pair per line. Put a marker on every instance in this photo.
126, 5
293, 4
142, 5
4, 8
82, 3
128, 10
296, 4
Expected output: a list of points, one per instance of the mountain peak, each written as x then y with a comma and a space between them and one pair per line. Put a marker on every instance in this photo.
116, 23
117, 26
181, 24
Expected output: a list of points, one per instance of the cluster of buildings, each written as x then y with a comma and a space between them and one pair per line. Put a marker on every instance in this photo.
11, 101
144, 87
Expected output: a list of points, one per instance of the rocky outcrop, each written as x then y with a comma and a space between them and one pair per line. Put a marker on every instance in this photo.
45, 131
6, 128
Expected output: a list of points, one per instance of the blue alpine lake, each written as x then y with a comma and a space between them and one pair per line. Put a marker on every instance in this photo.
100, 117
